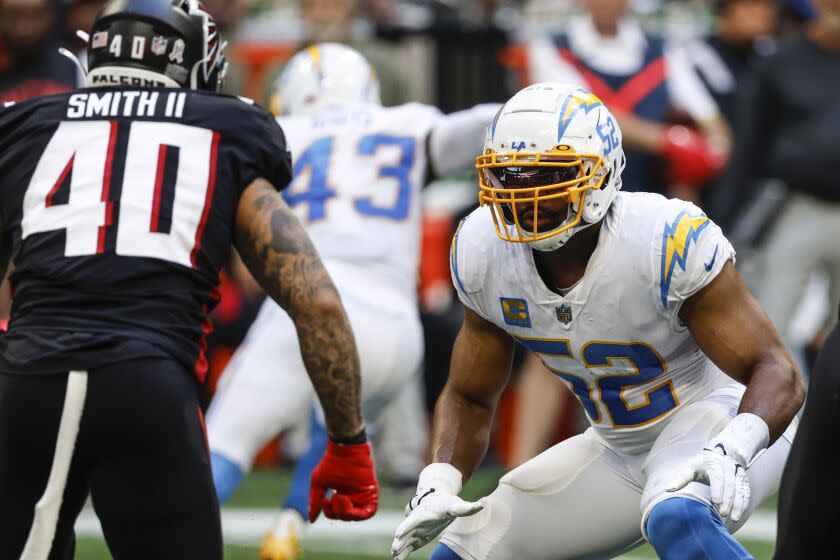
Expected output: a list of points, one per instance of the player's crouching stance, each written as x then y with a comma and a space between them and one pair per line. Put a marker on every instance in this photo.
632, 300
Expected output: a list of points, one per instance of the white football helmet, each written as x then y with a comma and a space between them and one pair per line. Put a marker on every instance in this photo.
550, 141
325, 74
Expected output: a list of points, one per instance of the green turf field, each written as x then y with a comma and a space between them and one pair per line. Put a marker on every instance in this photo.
263, 491
90, 549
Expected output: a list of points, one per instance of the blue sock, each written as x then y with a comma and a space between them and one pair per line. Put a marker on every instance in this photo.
298, 497
226, 476
443, 552
685, 529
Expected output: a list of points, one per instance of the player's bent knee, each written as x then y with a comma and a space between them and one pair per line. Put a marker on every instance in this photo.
443, 552
226, 476
685, 529
670, 521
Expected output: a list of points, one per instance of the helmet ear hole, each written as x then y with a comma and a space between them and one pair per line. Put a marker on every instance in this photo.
606, 180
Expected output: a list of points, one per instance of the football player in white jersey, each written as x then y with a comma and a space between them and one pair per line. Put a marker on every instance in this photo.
633, 301
358, 172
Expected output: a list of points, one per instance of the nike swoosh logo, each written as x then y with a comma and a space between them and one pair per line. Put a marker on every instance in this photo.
420, 498
711, 263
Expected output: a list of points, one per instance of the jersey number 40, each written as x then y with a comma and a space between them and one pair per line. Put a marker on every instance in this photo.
84, 152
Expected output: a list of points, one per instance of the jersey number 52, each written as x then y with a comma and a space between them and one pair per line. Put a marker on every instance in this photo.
608, 388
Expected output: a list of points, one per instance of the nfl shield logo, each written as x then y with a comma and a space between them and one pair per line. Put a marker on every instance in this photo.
159, 45
564, 314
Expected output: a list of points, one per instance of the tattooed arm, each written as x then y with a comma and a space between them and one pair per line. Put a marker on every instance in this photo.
279, 254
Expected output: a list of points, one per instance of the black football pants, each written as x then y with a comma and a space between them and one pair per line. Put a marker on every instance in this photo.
140, 451
809, 499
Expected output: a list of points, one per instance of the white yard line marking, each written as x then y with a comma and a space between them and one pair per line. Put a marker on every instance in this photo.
247, 527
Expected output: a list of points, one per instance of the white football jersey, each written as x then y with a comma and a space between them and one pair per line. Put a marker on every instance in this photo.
358, 172
615, 339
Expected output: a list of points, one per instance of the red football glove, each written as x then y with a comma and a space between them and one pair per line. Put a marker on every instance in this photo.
347, 469
689, 158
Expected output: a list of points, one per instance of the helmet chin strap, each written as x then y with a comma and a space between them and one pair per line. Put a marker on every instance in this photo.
556, 241
74, 59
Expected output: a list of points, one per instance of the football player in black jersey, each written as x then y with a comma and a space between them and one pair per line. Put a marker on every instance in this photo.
119, 203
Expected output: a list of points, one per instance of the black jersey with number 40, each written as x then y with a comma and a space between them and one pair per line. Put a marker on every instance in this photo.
118, 207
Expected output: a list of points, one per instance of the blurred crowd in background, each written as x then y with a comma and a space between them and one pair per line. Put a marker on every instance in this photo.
733, 104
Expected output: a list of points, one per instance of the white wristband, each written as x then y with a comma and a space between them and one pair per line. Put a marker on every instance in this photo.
744, 437
441, 476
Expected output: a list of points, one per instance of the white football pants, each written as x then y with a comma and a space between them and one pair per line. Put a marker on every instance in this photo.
265, 389
580, 499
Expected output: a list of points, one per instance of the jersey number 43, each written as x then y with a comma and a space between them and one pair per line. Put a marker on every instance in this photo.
315, 161
83, 154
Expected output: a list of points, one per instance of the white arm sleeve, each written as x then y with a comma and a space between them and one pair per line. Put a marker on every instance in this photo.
458, 138
685, 89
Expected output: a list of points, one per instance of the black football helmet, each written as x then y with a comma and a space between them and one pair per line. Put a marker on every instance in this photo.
137, 42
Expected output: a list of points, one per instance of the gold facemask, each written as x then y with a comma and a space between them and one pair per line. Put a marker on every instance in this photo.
571, 175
